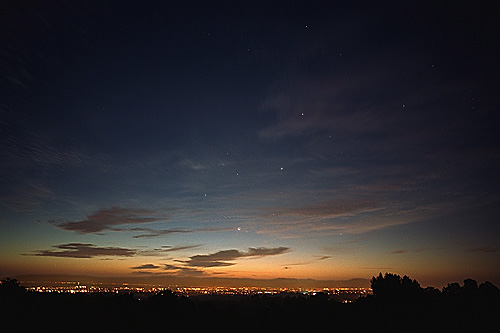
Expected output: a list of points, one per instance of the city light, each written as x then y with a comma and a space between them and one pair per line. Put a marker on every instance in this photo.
74, 288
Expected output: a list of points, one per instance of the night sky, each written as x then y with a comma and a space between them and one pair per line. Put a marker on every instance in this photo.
260, 139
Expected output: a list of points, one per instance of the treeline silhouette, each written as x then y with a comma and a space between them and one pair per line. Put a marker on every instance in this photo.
398, 304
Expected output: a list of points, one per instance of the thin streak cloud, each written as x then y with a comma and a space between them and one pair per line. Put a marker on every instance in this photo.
146, 266
153, 233
84, 250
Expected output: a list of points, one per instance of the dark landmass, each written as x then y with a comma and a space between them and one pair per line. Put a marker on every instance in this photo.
50, 280
398, 305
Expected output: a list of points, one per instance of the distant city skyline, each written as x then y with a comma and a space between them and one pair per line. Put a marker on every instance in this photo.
250, 140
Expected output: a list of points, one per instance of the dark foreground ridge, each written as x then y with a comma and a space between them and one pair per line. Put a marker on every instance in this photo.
397, 305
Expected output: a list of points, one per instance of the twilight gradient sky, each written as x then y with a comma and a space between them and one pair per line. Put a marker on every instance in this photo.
258, 139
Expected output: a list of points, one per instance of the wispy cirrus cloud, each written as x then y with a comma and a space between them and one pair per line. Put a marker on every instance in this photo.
84, 250
338, 216
485, 249
190, 164
27, 195
352, 215
332, 208
303, 263
105, 219
310, 105
25, 155
421, 249
27, 149
153, 233
166, 249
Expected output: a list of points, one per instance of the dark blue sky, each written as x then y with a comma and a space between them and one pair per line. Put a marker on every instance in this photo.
328, 140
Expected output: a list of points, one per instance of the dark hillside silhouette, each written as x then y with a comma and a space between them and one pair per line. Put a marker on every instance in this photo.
398, 304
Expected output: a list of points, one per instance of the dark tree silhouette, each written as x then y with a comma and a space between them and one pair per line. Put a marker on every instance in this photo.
385, 285
393, 286
470, 284
11, 287
489, 294
489, 288
451, 289
468, 289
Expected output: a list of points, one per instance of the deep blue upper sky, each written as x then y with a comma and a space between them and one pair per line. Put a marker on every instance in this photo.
341, 138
